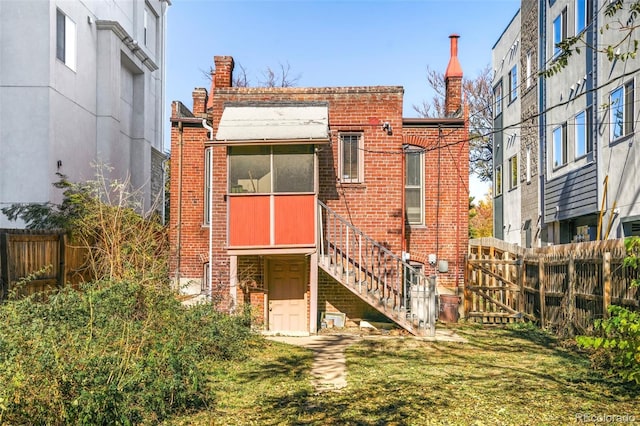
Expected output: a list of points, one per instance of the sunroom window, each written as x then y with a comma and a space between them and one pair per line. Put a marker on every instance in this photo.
271, 169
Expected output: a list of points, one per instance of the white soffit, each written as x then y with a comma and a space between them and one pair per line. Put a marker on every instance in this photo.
274, 123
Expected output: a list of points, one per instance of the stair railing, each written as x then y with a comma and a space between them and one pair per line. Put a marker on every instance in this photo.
372, 269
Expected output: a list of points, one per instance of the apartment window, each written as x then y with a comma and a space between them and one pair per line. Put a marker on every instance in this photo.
584, 145
529, 77
560, 146
351, 158
498, 181
513, 169
145, 25
581, 15
622, 111
528, 164
497, 99
271, 169
513, 83
65, 40
414, 185
208, 164
559, 30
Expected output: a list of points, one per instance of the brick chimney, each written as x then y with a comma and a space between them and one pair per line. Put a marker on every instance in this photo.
453, 82
222, 77
199, 102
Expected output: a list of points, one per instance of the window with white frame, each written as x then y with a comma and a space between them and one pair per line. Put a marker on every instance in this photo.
497, 184
582, 15
271, 169
529, 78
622, 111
583, 143
560, 146
66, 40
513, 169
145, 25
150, 28
208, 164
351, 158
414, 185
497, 99
513, 83
559, 30
528, 164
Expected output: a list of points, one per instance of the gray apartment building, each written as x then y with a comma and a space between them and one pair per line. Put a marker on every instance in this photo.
570, 170
81, 83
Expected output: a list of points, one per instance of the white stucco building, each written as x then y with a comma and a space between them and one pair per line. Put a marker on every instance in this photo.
80, 82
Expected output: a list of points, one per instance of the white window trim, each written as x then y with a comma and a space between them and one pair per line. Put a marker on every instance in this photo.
498, 181
360, 178
208, 169
625, 133
422, 185
513, 89
513, 174
497, 99
563, 147
586, 18
585, 130
70, 41
528, 164
529, 77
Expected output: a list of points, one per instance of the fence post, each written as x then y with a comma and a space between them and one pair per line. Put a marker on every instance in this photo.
541, 291
522, 278
62, 270
606, 283
571, 291
467, 293
4, 266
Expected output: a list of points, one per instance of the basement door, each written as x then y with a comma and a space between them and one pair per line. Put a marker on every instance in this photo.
287, 290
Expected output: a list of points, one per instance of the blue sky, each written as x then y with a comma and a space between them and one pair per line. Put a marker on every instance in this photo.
332, 43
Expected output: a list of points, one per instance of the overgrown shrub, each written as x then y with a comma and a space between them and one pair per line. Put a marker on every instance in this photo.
616, 343
114, 353
106, 218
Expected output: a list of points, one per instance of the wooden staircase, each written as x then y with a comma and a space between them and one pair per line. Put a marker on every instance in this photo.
376, 275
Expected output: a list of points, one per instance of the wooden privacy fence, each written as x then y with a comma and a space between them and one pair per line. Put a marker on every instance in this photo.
562, 287
44, 260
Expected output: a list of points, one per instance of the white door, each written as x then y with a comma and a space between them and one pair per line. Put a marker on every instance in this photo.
287, 288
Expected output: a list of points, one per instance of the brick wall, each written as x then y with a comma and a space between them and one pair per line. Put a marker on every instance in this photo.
446, 228
374, 206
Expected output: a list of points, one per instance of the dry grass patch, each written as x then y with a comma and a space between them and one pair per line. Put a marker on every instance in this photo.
500, 377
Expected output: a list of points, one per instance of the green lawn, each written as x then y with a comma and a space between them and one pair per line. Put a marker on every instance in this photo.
516, 376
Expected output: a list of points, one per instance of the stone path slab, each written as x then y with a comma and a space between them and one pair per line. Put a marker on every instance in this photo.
329, 369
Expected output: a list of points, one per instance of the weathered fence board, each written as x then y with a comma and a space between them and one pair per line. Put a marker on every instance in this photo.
35, 262
563, 287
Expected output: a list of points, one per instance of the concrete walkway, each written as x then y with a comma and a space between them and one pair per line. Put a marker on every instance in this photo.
329, 369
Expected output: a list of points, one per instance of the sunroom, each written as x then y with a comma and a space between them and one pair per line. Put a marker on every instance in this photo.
272, 173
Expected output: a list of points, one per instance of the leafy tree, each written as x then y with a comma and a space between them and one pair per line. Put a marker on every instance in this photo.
481, 218
478, 94
625, 48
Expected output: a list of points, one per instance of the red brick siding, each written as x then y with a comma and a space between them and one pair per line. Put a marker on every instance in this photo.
374, 206
446, 227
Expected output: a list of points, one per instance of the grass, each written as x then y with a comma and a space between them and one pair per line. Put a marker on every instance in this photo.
511, 376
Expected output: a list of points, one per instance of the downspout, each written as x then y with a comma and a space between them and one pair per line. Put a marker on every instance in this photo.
179, 218
210, 207
403, 207
163, 215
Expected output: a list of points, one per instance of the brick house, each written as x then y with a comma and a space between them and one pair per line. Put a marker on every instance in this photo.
319, 202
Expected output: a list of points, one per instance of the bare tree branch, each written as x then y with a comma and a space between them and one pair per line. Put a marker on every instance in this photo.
478, 95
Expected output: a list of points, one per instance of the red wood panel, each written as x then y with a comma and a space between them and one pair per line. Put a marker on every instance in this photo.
294, 219
249, 221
